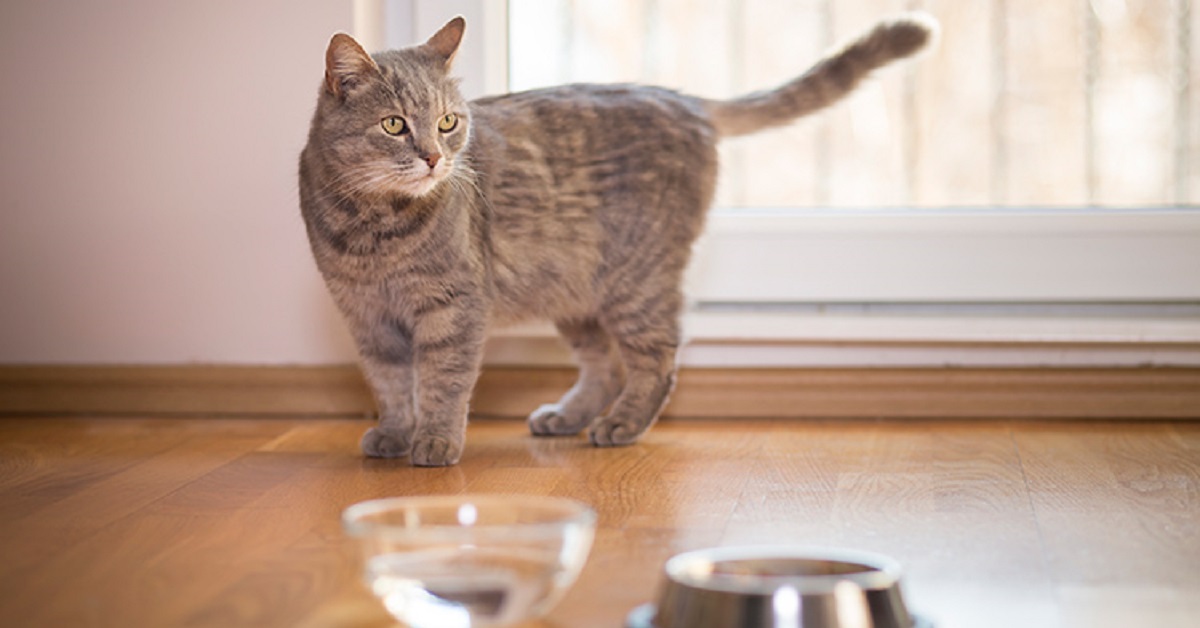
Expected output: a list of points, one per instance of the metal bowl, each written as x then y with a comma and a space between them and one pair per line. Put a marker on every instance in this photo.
778, 587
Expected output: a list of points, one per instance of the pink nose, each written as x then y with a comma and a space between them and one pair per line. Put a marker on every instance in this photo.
433, 159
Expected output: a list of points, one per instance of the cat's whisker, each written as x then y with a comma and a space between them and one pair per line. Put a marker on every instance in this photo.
367, 179
346, 183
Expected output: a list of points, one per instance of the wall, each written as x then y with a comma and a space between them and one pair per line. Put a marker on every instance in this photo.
148, 205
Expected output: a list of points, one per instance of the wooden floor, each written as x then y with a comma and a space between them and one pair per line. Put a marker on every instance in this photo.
224, 522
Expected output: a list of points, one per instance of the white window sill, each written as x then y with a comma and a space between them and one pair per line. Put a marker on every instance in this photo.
777, 339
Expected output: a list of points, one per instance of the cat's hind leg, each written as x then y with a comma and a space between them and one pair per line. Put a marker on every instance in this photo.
646, 329
601, 376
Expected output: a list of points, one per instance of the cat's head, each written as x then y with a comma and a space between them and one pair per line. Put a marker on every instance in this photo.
395, 122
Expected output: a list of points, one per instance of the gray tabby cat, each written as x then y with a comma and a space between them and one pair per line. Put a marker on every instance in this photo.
432, 218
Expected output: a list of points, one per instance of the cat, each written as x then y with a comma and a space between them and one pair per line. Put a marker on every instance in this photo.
432, 218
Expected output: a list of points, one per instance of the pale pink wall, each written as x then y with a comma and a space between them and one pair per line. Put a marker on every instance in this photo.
148, 208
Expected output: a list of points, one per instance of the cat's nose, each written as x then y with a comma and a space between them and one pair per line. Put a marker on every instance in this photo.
432, 160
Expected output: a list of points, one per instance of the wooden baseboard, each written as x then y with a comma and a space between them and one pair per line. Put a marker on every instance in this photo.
216, 389
1124, 393
887, 393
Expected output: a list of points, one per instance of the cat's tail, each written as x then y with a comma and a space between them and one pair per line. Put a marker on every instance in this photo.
827, 82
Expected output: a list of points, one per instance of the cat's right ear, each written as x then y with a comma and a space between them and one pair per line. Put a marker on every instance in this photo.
347, 65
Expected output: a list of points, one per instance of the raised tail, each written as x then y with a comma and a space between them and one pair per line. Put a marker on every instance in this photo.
827, 82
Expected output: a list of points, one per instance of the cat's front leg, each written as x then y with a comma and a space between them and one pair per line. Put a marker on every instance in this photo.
387, 362
393, 385
449, 349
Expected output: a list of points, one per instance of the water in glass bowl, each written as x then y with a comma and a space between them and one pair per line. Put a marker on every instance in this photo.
464, 587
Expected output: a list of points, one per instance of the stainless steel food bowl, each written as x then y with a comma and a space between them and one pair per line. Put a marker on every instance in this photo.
778, 587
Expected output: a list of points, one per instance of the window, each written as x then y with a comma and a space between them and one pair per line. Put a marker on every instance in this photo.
1046, 104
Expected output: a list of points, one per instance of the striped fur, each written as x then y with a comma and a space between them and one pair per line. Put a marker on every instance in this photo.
576, 204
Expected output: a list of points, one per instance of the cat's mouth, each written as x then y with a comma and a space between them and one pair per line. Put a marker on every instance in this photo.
420, 184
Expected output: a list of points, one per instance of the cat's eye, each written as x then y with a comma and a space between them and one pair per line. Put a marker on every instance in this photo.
394, 125
447, 123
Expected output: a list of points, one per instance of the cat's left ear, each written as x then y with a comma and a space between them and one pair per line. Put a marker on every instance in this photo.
444, 43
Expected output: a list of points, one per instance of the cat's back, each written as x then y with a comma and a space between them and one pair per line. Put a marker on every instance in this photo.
620, 106
590, 121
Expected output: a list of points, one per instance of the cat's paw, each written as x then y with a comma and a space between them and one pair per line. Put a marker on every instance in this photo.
381, 443
610, 431
435, 451
550, 420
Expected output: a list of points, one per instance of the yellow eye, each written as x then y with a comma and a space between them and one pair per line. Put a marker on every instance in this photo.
394, 125
447, 123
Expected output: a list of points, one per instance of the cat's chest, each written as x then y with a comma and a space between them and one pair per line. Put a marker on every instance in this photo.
406, 296
386, 249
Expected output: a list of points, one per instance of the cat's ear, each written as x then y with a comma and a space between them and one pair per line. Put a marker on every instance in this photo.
347, 65
444, 43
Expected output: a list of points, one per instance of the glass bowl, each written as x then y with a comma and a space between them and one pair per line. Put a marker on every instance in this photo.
470, 561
